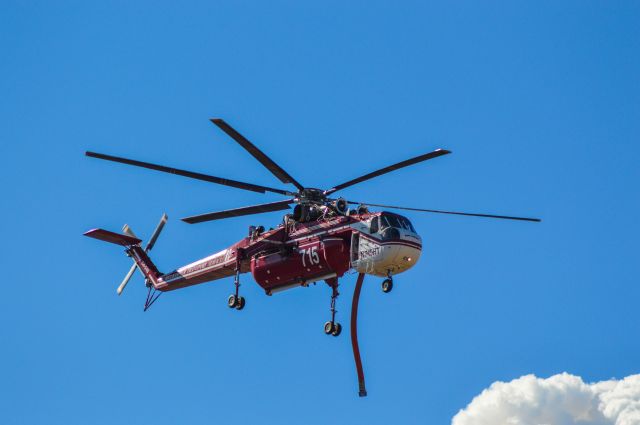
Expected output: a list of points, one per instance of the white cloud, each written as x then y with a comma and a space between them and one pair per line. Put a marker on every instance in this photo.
562, 399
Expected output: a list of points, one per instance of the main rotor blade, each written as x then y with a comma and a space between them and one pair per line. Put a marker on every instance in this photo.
430, 155
254, 209
275, 169
190, 174
449, 212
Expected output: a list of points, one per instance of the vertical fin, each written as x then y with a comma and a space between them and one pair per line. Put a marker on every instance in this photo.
145, 264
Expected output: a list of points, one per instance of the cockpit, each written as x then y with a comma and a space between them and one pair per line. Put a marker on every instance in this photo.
391, 225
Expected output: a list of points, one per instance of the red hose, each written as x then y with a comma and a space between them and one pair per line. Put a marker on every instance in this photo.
362, 391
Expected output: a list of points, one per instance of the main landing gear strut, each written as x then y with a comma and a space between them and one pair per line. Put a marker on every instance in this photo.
235, 300
332, 327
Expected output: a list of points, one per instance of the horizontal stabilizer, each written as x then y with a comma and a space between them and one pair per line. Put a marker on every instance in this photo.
116, 238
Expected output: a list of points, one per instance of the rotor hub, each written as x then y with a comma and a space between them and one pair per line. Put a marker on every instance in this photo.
311, 196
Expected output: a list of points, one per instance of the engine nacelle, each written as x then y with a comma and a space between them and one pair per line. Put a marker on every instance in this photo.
341, 206
313, 261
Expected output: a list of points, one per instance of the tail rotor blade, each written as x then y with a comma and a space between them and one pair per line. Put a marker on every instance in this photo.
156, 233
128, 231
152, 240
127, 278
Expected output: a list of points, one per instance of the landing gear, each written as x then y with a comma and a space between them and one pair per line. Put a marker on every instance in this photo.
332, 327
241, 303
235, 300
387, 284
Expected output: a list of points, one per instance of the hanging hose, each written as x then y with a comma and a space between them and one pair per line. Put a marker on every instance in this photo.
362, 391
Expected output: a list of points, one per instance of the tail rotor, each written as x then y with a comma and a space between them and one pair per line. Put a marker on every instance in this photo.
152, 241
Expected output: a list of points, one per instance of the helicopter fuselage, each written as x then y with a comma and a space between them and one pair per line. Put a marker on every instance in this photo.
297, 254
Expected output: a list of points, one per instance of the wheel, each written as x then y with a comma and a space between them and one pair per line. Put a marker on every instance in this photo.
387, 285
232, 302
240, 303
328, 328
337, 328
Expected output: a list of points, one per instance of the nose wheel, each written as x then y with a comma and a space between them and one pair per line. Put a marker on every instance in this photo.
387, 284
332, 328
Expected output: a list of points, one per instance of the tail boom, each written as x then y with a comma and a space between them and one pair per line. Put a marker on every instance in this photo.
216, 266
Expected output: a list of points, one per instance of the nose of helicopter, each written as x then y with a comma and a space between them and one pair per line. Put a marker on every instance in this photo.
404, 252
398, 253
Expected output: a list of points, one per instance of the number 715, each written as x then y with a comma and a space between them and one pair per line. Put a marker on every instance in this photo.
312, 253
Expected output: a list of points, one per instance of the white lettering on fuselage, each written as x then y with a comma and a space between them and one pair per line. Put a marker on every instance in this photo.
312, 253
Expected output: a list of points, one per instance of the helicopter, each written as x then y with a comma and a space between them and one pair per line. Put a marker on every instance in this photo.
320, 239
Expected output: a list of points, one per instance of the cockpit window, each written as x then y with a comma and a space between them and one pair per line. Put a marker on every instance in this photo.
407, 224
396, 221
374, 225
390, 221
383, 222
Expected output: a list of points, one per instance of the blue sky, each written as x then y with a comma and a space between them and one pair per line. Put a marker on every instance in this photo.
538, 102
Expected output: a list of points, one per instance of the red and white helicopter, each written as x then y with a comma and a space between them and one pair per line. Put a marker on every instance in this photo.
320, 240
